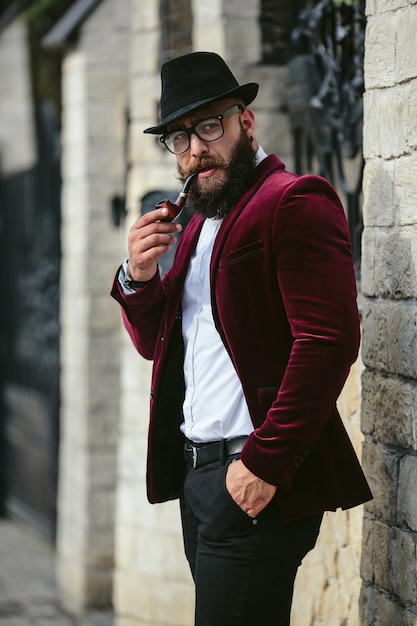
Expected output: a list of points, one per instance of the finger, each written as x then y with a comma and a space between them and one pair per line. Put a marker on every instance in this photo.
151, 217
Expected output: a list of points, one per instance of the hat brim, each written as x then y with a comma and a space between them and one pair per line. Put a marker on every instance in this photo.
246, 92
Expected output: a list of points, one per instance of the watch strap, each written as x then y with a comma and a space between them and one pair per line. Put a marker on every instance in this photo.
128, 280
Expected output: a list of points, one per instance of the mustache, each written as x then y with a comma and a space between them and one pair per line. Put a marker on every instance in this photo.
203, 164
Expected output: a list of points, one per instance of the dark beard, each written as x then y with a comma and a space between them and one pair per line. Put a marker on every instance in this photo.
240, 175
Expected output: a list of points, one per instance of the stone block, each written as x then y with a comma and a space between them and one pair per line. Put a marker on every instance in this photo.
75, 312
381, 467
402, 340
377, 609
406, 186
135, 408
110, 14
103, 347
205, 12
247, 9
145, 15
144, 102
406, 44
131, 457
380, 67
132, 507
104, 79
98, 588
387, 409
102, 467
396, 264
242, 41
273, 133
209, 35
378, 192
386, 116
412, 138
407, 493
384, 6
99, 554
74, 161
145, 60
71, 578
159, 601
108, 45
374, 337
389, 338
74, 212
74, 79
375, 552
403, 566
161, 556
104, 392
368, 286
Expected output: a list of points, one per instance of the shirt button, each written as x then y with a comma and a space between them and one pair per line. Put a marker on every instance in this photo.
254, 521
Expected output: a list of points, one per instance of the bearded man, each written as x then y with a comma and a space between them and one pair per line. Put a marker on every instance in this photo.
252, 333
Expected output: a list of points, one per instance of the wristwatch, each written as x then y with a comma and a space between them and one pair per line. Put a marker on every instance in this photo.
128, 280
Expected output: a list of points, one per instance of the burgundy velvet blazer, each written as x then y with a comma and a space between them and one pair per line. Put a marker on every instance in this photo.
284, 304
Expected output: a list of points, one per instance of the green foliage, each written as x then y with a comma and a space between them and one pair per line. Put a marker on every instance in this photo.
349, 3
42, 14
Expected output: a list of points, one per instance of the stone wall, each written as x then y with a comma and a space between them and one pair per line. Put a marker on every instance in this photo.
95, 94
389, 272
17, 128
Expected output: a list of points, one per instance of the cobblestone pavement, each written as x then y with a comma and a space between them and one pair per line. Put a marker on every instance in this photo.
28, 593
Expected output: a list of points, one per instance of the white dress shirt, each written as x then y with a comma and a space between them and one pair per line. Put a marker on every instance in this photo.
214, 406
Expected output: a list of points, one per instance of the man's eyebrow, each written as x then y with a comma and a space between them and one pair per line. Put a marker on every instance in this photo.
195, 120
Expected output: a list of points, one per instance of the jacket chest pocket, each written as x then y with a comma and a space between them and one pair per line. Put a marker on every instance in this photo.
242, 254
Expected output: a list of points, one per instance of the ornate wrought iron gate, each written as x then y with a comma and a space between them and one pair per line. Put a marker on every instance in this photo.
326, 98
29, 335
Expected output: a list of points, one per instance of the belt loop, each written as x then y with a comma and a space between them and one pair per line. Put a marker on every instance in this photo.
222, 451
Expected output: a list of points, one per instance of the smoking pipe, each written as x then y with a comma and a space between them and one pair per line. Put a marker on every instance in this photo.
175, 208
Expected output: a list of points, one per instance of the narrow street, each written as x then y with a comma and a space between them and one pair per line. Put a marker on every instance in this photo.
28, 592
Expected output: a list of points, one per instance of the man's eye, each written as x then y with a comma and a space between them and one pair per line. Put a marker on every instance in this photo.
208, 126
178, 137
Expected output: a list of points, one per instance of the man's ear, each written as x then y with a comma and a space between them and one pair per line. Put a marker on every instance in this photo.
248, 121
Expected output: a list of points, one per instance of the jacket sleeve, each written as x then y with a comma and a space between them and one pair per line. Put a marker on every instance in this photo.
141, 313
315, 274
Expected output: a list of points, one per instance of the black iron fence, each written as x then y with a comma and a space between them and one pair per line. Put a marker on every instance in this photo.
29, 337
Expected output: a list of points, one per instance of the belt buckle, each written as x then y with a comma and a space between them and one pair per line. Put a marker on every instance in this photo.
194, 457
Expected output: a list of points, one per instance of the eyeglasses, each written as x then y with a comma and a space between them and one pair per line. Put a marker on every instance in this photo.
207, 129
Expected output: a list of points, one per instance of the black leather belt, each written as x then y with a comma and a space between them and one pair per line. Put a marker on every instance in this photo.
200, 454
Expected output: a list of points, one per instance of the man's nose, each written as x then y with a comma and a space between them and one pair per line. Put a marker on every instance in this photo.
197, 145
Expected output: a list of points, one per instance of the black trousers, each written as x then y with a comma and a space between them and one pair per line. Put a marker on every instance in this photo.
243, 568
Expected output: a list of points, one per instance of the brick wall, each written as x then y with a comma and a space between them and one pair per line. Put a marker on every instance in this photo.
389, 563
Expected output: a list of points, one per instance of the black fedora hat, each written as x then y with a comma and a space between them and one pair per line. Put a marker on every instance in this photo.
195, 79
